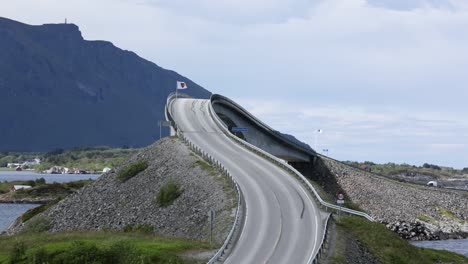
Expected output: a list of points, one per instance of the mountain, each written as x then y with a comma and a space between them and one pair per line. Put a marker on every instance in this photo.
58, 90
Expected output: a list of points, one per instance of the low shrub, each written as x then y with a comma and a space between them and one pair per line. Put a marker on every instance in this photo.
168, 193
132, 170
18, 252
120, 252
37, 210
37, 225
143, 229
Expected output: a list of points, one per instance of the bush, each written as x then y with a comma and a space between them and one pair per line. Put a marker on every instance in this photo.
120, 252
168, 193
40, 181
37, 225
132, 170
37, 210
17, 253
144, 229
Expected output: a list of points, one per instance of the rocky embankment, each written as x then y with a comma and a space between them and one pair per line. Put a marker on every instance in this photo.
10, 198
415, 212
110, 204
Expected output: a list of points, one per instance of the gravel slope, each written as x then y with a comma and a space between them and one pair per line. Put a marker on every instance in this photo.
416, 212
110, 204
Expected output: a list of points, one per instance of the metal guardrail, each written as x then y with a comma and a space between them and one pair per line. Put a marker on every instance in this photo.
282, 164
285, 166
324, 239
226, 101
215, 163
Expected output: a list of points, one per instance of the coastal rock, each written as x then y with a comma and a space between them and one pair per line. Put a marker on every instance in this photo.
414, 212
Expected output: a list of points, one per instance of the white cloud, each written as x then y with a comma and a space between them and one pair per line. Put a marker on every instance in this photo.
396, 69
356, 133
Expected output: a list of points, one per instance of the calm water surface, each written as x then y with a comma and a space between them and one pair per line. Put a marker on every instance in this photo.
459, 246
9, 213
27, 175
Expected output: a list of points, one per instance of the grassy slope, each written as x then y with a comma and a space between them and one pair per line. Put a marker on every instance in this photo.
389, 169
388, 247
158, 249
95, 158
89, 158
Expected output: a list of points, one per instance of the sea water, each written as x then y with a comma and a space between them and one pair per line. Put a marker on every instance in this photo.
9, 213
459, 246
50, 178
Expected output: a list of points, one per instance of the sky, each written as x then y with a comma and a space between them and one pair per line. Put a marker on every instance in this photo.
385, 80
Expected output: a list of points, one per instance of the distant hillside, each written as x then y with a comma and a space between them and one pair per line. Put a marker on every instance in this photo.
58, 90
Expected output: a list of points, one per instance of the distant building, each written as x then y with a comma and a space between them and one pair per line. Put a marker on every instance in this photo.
106, 169
33, 162
13, 165
19, 187
81, 171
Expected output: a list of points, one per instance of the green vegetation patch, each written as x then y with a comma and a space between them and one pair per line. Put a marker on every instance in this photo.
168, 193
445, 212
390, 169
7, 185
389, 248
144, 229
37, 225
426, 219
94, 247
37, 210
132, 170
204, 165
92, 158
59, 190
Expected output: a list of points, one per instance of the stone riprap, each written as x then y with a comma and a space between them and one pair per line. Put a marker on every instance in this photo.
415, 212
110, 204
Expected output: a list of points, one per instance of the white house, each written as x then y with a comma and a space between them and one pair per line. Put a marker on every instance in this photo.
19, 187
106, 169
13, 165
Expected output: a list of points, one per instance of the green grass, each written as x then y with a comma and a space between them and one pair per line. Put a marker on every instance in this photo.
389, 169
132, 170
426, 218
389, 248
37, 210
445, 212
204, 165
100, 247
57, 190
168, 193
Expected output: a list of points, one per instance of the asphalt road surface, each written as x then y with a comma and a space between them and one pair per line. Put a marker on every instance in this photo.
282, 222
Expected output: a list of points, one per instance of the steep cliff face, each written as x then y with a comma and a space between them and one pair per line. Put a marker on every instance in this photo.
58, 90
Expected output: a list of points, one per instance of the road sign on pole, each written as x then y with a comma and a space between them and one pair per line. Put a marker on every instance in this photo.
211, 220
340, 200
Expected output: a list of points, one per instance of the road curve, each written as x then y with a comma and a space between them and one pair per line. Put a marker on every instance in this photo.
282, 222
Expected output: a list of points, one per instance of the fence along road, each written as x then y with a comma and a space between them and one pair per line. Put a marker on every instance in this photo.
282, 222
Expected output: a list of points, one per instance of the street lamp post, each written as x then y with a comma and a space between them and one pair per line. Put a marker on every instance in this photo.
318, 131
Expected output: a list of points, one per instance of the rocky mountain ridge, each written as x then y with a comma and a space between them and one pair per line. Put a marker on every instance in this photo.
61, 91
